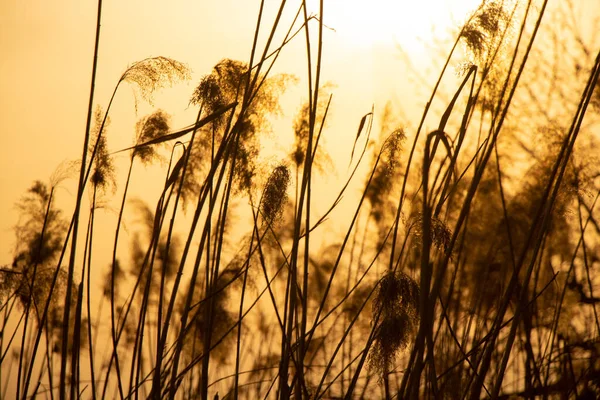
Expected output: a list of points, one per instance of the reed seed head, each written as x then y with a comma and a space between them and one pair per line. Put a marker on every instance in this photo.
396, 304
383, 179
485, 27
275, 194
155, 73
441, 235
103, 176
150, 128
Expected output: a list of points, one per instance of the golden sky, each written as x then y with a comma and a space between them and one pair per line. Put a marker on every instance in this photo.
46, 62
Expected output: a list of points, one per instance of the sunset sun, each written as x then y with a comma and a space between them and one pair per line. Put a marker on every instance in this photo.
388, 21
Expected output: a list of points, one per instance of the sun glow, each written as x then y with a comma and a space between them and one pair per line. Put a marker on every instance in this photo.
386, 22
